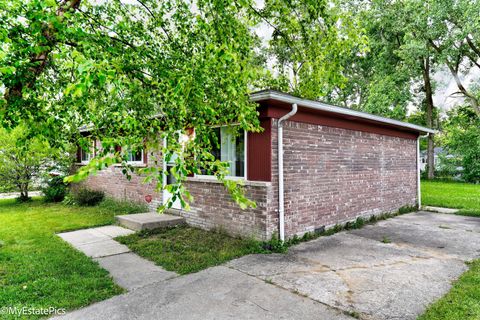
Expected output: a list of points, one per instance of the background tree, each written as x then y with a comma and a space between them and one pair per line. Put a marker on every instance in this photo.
310, 40
461, 137
417, 54
22, 159
442, 33
396, 72
454, 35
377, 81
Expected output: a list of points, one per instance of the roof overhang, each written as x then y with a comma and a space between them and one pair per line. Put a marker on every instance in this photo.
320, 106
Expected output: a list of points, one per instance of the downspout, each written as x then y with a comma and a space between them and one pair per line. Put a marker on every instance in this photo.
419, 192
281, 208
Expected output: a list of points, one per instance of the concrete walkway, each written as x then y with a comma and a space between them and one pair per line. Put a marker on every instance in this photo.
128, 270
216, 293
391, 270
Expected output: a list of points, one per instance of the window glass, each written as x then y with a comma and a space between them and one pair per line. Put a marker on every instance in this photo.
135, 156
85, 155
230, 149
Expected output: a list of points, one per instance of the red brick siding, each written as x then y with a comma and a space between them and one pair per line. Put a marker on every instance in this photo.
114, 183
213, 208
333, 175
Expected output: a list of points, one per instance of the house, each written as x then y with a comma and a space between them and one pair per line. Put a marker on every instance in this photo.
313, 166
440, 158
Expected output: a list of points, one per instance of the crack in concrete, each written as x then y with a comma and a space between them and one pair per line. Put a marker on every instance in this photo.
296, 292
342, 274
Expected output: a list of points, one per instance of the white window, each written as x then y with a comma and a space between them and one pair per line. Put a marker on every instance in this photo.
135, 157
232, 150
87, 155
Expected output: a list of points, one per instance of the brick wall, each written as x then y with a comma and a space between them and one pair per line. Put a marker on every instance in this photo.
213, 208
334, 175
113, 182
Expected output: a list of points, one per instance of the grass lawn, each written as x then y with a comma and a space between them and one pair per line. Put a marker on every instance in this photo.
463, 300
463, 196
38, 269
185, 249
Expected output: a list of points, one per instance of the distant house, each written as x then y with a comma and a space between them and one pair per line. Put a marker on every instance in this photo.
313, 166
440, 154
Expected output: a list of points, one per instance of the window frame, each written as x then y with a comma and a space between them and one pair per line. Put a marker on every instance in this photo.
90, 153
245, 165
137, 162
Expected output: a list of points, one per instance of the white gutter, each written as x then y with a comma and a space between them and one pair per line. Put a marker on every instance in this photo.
281, 207
419, 191
270, 94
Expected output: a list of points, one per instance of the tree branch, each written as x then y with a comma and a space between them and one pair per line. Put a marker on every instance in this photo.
454, 71
39, 61
472, 46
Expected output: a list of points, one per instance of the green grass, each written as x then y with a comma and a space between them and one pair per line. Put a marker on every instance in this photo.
463, 196
463, 300
185, 249
38, 269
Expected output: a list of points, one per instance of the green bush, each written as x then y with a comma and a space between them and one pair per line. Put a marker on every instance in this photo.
69, 200
87, 197
122, 207
56, 189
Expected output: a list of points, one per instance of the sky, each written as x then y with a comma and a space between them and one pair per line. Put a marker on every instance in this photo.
445, 86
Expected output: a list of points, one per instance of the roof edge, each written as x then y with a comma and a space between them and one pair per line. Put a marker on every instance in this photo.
317, 105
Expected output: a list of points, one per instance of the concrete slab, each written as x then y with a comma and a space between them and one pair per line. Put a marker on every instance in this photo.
215, 293
103, 248
391, 270
127, 269
439, 235
440, 209
148, 221
132, 272
114, 231
82, 237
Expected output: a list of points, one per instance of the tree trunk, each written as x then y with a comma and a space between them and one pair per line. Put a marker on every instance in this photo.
429, 117
23, 192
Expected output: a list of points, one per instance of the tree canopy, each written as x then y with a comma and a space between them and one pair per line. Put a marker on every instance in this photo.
461, 137
137, 73
140, 72
23, 160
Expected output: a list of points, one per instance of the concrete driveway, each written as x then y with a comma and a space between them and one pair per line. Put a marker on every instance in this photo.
390, 270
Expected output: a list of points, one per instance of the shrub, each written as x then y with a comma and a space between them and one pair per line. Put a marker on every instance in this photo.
55, 190
69, 200
123, 207
87, 197
23, 198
